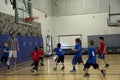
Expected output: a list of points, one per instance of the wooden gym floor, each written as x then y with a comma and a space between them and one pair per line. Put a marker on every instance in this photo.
47, 73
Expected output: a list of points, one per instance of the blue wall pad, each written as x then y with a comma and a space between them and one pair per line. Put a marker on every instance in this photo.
26, 46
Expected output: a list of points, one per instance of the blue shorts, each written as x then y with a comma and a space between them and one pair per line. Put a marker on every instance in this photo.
101, 56
77, 59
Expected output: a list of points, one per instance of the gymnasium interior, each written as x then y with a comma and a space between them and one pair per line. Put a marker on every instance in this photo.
45, 23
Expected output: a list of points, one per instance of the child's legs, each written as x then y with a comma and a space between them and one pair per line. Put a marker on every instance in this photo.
99, 60
74, 62
62, 60
9, 57
96, 66
102, 57
58, 60
105, 61
41, 58
36, 65
2, 59
86, 67
6, 59
79, 60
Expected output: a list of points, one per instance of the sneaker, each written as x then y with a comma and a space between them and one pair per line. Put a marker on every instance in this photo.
33, 70
63, 68
107, 65
103, 72
55, 68
87, 75
73, 70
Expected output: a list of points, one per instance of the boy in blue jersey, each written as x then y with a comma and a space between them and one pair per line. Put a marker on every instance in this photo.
6, 50
91, 61
78, 54
60, 57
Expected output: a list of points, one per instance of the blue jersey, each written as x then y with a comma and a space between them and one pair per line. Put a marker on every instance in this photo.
6, 54
59, 52
78, 47
92, 55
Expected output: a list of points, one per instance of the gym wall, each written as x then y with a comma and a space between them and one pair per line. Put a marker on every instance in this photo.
88, 24
28, 37
112, 42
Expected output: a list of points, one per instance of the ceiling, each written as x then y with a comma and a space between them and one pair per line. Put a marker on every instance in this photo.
73, 7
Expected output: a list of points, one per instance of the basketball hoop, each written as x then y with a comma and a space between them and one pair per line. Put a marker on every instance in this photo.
29, 19
118, 22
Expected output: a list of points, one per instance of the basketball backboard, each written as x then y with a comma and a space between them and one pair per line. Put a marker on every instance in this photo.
23, 10
113, 19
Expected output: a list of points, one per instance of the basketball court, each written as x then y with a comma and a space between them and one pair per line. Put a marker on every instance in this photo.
47, 73
44, 23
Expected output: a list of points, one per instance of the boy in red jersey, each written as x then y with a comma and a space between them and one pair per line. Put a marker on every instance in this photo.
35, 56
102, 51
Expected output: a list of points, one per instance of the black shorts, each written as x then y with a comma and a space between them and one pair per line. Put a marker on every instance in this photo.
87, 65
60, 59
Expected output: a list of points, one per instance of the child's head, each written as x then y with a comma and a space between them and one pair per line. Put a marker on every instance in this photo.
77, 40
41, 48
5, 44
101, 39
13, 35
36, 48
58, 45
91, 43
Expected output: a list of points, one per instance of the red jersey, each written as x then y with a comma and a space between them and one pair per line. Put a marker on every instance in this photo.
36, 55
101, 47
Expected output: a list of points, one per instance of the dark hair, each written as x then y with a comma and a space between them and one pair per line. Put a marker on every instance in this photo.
12, 33
36, 48
102, 38
91, 42
58, 45
77, 40
40, 47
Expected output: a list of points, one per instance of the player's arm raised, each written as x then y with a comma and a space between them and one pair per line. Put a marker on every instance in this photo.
75, 50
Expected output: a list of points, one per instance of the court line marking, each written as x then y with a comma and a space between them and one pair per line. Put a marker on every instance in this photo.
37, 74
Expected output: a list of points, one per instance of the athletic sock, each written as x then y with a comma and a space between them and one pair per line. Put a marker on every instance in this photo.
74, 68
8, 63
63, 64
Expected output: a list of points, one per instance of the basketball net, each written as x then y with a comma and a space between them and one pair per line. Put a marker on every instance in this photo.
29, 19
118, 22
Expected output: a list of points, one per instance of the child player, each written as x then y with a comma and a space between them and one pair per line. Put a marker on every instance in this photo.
102, 51
42, 57
60, 57
35, 55
91, 61
78, 54
6, 50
